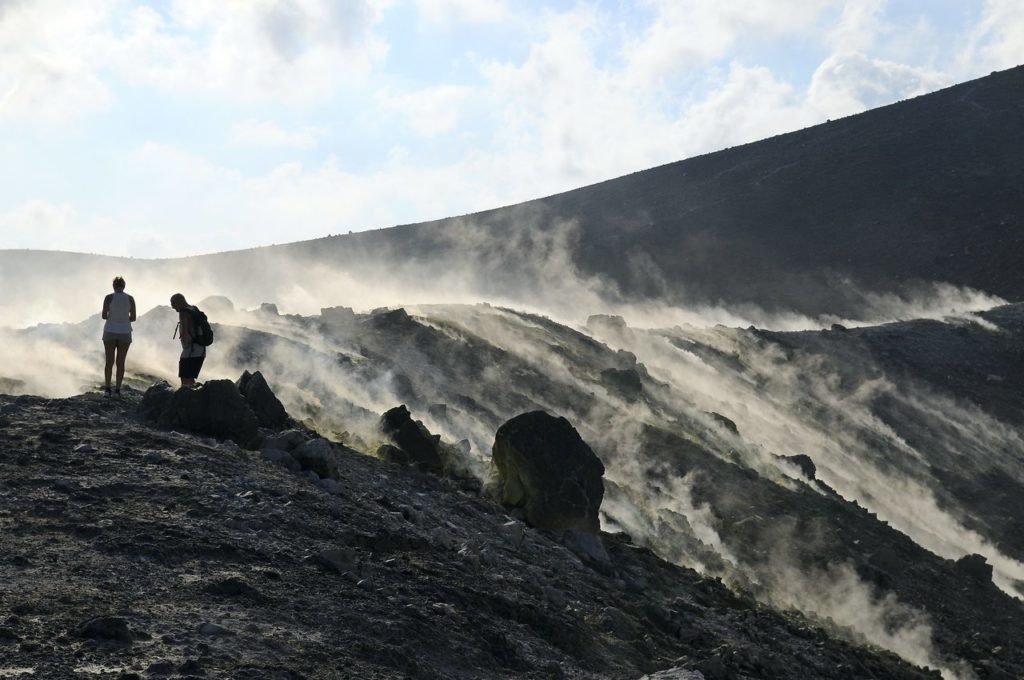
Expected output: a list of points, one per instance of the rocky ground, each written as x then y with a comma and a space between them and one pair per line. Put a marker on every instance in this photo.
129, 551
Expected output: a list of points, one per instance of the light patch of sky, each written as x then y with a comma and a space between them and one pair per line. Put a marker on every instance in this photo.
190, 129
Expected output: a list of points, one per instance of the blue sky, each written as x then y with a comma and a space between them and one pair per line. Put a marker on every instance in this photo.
176, 127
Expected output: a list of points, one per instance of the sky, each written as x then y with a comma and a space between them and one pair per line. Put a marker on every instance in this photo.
177, 127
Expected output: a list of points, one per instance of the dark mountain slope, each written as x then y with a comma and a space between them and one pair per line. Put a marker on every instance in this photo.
924, 190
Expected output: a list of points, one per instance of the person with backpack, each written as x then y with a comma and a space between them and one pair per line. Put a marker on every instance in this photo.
119, 313
195, 334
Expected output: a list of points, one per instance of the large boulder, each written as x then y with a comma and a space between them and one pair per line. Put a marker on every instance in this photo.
976, 567
264, 403
544, 467
216, 409
421, 448
320, 456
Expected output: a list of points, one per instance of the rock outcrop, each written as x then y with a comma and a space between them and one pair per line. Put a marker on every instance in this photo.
545, 468
261, 399
218, 408
976, 567
411, 437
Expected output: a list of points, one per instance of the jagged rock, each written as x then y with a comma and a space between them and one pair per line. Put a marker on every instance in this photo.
975, 566
422, 448
392, 454
625, 359
384, 318
269, 308
285, 441
216, 408
338, 315
318, 456
623, 381
804, 463
261, 399
544, 467
112, 628
726, 423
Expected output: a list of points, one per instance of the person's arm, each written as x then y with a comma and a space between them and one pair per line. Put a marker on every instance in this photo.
106, 306
185, 330
131, 309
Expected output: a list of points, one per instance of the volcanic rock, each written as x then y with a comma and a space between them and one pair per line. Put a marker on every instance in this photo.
544, 467
976, 567
623, 381
413, 438
284, 441
261, 399
216, 408
338, 315
724, 422
318, 456
113, 628
803, 463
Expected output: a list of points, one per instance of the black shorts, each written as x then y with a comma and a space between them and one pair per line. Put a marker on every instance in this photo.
189, 367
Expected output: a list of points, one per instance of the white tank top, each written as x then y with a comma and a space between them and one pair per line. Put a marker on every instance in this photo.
119, 320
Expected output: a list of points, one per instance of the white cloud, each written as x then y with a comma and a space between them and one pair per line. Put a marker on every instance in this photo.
431, 111
446, 12
860, 26
845, 84
267, 134
50, 59
750, 105
996, 41
251, 49
687, 33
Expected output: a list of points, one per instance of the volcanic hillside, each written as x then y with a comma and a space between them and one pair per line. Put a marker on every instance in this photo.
926, 190
868, 478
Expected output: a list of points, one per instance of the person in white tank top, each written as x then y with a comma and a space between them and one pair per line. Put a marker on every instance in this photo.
119, 312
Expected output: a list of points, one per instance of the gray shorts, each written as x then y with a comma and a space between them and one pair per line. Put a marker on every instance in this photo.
117, 339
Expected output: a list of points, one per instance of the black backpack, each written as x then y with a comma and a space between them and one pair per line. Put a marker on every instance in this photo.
203, 333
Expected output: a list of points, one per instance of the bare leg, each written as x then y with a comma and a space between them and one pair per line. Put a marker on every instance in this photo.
122, 352
108, 346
